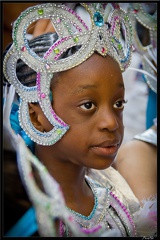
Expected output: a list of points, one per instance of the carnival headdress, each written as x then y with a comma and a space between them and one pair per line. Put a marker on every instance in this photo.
107, 31
148, 53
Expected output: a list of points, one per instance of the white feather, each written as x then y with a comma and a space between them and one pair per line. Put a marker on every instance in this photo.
145, 219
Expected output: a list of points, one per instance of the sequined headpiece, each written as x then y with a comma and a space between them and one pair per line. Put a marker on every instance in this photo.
148, 54
106, 31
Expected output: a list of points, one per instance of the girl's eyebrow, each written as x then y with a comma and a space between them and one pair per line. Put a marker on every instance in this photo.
81, 88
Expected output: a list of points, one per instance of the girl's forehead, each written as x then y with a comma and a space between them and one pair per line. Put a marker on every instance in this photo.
94, 73
95, 66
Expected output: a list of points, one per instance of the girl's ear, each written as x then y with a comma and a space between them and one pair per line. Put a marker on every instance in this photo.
38, 119
35, 116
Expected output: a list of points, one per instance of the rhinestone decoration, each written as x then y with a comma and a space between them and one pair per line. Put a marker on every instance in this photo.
98, 19
40, 11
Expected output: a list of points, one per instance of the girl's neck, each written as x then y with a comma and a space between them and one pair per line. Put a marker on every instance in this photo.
71, 178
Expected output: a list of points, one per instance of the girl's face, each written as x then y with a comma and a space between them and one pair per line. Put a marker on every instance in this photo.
90, 99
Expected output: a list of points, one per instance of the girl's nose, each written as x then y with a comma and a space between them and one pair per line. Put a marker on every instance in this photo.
108, 120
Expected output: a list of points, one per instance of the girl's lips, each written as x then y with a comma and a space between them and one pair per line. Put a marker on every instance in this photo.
106, 151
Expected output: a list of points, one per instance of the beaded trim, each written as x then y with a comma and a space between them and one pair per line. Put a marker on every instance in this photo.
103, 36
124, 215
94, 208
113, 208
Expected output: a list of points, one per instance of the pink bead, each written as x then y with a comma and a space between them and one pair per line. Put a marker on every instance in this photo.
71, 219
128, 215
58, 20
135, 10
23, 49
43, 95
103, 50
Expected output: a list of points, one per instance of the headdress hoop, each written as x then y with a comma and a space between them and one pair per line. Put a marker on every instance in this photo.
106, 32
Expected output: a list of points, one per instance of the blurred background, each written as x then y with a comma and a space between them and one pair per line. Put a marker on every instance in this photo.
136, 92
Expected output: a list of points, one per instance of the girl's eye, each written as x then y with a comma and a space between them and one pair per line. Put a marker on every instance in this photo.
119, 104
87, 106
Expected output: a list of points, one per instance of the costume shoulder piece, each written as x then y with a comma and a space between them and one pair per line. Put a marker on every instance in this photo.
113, 179
144, 215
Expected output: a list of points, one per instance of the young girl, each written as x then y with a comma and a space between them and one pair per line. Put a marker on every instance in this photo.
71, 106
